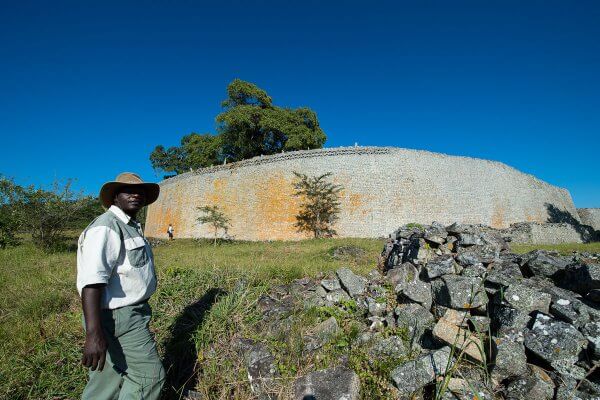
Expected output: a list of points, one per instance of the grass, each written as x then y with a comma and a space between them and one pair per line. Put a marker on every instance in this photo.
565, 248
205, 300
199, 303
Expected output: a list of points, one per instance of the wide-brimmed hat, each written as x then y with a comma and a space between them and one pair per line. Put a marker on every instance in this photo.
109, 189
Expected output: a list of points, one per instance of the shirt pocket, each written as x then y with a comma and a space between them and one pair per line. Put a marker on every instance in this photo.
136, 251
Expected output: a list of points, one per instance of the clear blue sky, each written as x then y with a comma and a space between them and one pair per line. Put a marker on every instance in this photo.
87, 89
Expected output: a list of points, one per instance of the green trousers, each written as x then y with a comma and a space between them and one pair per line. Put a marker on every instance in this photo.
133, 370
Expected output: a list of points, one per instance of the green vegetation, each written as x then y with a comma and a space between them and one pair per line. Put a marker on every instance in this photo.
206, 299
214, 217
320, 204
250, 125
206, 296
44, 215
565, 248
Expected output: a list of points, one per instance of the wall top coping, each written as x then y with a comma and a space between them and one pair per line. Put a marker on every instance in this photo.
594, 209
329, 152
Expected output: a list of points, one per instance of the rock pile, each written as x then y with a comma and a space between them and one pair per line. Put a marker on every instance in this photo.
452, 314
530, 320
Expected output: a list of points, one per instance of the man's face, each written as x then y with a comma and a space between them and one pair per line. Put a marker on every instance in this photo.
130, 199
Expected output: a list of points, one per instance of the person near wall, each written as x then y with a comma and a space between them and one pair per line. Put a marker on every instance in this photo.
170, 231
115, 279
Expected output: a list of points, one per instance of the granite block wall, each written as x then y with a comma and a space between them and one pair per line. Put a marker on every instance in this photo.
590, 216
384, 187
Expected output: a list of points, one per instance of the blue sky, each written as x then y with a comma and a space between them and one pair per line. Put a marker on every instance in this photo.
89, 88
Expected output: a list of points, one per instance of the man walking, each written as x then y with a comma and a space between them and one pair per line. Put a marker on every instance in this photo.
115, 278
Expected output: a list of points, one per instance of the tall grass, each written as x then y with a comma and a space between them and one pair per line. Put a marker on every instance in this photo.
195, 305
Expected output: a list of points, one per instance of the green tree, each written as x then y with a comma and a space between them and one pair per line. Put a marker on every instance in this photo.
214, 217
9, 218
196, 151
249, 126
320, 204
47, 214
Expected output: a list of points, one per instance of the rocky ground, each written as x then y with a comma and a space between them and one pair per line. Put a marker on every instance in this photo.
450, 314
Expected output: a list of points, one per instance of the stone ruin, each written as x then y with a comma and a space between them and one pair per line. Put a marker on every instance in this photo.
458, 314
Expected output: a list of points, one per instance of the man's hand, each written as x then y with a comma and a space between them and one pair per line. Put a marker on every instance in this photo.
94, 349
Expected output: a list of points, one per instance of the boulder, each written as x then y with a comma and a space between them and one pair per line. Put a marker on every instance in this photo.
477, 254
469, 239
509, 359
456, 228
331, 284
534, 384
459, 292
338, 383
391, 347
415, 318
321, 334
413, 375
524, 298
455, 317
337, 296
418, 291
573, 311
352, 283
435, 234
261, 368
475, 271
504, 273
442, 265
463, 340
509, 321
400, 274
539, 262
554, 341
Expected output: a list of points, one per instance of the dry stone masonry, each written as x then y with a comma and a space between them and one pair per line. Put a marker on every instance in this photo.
384, 187
450, 314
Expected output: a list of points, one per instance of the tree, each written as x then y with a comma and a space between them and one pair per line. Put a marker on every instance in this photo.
320, 204
196, 151
249, 126
45, 215
48, 214
215, 217
9, 220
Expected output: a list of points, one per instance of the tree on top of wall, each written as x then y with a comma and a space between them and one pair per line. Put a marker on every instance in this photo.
320, 204
250, 125
214, 217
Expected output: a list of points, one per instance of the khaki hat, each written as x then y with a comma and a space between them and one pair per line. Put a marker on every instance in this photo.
107, 193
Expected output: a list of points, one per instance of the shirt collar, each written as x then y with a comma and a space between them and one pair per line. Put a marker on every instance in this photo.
120, 214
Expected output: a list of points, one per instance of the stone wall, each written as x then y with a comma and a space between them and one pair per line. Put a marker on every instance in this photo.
384, 187
548, 233
590, 216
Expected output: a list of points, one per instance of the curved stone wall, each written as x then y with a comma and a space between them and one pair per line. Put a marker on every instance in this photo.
384, 187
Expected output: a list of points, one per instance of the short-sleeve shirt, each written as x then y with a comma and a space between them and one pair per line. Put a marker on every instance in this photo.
113, 251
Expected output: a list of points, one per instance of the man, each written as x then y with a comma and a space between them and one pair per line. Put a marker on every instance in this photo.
115, 278
170, 231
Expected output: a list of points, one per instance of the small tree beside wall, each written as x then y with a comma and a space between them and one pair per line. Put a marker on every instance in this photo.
214, 217
320, 204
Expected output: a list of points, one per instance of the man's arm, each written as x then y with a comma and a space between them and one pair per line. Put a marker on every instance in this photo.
94, 349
